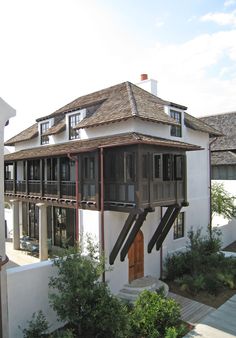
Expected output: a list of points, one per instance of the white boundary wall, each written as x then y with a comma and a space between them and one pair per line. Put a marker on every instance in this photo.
27, 292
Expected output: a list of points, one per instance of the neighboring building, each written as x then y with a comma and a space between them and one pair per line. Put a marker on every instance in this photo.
119, 163
223, 161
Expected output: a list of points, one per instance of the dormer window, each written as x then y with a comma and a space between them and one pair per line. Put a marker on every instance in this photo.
73, 121
43, 128
176, 130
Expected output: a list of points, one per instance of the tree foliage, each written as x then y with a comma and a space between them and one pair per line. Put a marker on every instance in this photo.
80, 298
222, 202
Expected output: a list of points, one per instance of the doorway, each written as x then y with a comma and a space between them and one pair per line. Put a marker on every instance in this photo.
136, 258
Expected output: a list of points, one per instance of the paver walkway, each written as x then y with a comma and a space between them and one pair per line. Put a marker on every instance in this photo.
218, 324
191, 311
18, 257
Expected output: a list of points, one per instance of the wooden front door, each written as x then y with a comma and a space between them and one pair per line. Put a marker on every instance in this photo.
136, 258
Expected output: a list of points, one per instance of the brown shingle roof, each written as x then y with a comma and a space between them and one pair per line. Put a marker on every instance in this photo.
87, 145
226, 123
196, 124
56, 129
25, 135
117, 103
223, 158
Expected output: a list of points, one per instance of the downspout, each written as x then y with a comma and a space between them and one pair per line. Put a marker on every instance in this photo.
77, 195
161, 252
210, 170
102, 207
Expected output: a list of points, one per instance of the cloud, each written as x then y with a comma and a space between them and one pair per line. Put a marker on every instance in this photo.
184, 72
222, 19
229, 3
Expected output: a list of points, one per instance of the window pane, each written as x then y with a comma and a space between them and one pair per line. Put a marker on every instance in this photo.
179, 226
157, 166
73, 121
176, 130
178, 167
129, 166
167, 167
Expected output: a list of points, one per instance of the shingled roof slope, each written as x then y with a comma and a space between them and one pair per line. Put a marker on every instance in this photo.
56, 129
88, 145
117, 103
25, 135
197, 124
226, 123
223, 158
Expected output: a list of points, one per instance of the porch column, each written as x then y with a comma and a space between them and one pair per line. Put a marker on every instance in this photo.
43, 232
16, 224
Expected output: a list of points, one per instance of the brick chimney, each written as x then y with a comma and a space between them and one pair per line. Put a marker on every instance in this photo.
148, 85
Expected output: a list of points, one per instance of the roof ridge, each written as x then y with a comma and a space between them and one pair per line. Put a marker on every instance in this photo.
132, 101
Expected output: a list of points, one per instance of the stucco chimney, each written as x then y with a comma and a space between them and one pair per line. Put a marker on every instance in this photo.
148, 85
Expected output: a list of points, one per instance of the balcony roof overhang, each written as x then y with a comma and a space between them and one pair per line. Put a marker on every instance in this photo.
79, 146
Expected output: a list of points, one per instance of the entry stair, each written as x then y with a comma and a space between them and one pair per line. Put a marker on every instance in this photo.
131, 291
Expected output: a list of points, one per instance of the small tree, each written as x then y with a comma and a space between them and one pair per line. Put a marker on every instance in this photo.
82, 300
222, 202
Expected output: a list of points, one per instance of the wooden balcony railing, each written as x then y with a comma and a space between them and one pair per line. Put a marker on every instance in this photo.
34, 187
50, 188
8, 185
120, 192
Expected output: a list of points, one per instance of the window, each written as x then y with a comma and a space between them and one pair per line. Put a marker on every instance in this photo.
73, 121
43, 128
156, 166
34, 171
129, 167
176, 130
89, 168
178, 167
65, 169
179, 226
167, 167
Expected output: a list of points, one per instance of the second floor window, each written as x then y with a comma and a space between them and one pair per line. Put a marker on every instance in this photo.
73, 121
179, 226
176, 130
43, 128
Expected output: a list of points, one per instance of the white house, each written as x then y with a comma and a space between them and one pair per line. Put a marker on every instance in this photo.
120, 163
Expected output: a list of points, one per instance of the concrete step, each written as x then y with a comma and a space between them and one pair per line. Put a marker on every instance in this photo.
130, 292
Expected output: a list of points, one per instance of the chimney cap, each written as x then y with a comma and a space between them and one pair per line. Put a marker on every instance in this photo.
144, 77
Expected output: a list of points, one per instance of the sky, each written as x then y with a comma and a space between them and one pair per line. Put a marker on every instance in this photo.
53, 51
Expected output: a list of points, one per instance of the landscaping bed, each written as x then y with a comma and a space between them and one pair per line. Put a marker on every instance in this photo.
202, 272
203, 296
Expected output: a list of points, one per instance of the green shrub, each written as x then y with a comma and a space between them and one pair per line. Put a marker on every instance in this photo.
82, 300
213, 284
37, 326
153, 314
176, 265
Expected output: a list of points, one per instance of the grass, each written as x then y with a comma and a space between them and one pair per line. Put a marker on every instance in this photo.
203, 296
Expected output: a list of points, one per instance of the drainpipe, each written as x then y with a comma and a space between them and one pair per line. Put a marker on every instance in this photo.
161, 252
77, 195
210, 170
102, 206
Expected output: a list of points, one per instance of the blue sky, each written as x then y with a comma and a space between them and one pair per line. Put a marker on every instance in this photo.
53, 51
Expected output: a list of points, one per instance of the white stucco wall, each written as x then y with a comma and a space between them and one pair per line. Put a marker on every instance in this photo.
118, 275
27, 288
6, 112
